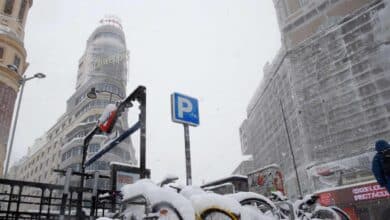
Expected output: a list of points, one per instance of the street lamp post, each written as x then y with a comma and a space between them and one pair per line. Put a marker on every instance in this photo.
92, 94
291, 151
137, 95
21, 82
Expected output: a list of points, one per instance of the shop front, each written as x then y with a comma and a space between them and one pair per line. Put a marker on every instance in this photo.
363, 201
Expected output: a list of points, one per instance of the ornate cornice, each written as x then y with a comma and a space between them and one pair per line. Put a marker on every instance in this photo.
14, 43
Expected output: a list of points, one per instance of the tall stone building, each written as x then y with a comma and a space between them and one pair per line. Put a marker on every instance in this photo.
330, 81
102, 66
13, 14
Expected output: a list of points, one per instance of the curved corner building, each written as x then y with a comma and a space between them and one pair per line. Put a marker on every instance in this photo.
13, 16
104, 67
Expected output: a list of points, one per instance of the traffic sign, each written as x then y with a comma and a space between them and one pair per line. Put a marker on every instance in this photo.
185, 109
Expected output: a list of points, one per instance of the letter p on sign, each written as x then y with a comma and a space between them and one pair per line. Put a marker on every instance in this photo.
185, 109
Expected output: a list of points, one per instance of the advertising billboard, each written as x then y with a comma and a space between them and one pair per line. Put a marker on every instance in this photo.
266, 180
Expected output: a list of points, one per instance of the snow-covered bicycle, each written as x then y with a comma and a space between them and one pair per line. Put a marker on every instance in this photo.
145, 200
308, 208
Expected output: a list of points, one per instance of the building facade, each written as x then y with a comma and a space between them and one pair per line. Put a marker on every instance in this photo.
325, 98
102, 66
13, 14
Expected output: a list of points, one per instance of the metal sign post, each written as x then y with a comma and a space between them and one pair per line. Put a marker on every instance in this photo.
188, 154
185, 111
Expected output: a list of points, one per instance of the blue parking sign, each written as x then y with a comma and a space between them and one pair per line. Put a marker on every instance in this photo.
185, 109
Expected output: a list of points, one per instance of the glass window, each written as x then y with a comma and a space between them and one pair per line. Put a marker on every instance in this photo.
109, 35
93, 148
17, 61
22, 9
76, 151
9, 5
303, 2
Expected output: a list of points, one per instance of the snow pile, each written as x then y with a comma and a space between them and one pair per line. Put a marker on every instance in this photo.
169, 178
211, 200
328, 174
279, 195
299, 202
253, 213
106, 113
211, 188
202, 201
241, 196
112, 163
189, 191
157, 194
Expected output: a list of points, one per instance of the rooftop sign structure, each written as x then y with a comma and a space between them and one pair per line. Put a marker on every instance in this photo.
111, 20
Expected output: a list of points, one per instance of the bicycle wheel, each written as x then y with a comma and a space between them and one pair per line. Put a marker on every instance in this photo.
166, 211
217, 214
325, 214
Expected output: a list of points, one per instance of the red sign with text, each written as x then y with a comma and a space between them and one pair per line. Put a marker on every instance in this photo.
364, 192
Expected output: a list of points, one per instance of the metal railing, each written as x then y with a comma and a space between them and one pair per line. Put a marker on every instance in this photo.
31, 200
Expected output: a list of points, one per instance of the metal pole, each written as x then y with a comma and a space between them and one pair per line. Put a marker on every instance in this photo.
187, 154
113, 187
94, 195
22, 82
65, 194
80, 194
142, 119
291, 150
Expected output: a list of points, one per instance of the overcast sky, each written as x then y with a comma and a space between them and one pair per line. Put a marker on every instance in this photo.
213, 50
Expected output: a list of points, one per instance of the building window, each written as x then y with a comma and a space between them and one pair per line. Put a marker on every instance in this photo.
17, 61
303, 2
9, 5
22, 9
93, 148
1, 52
